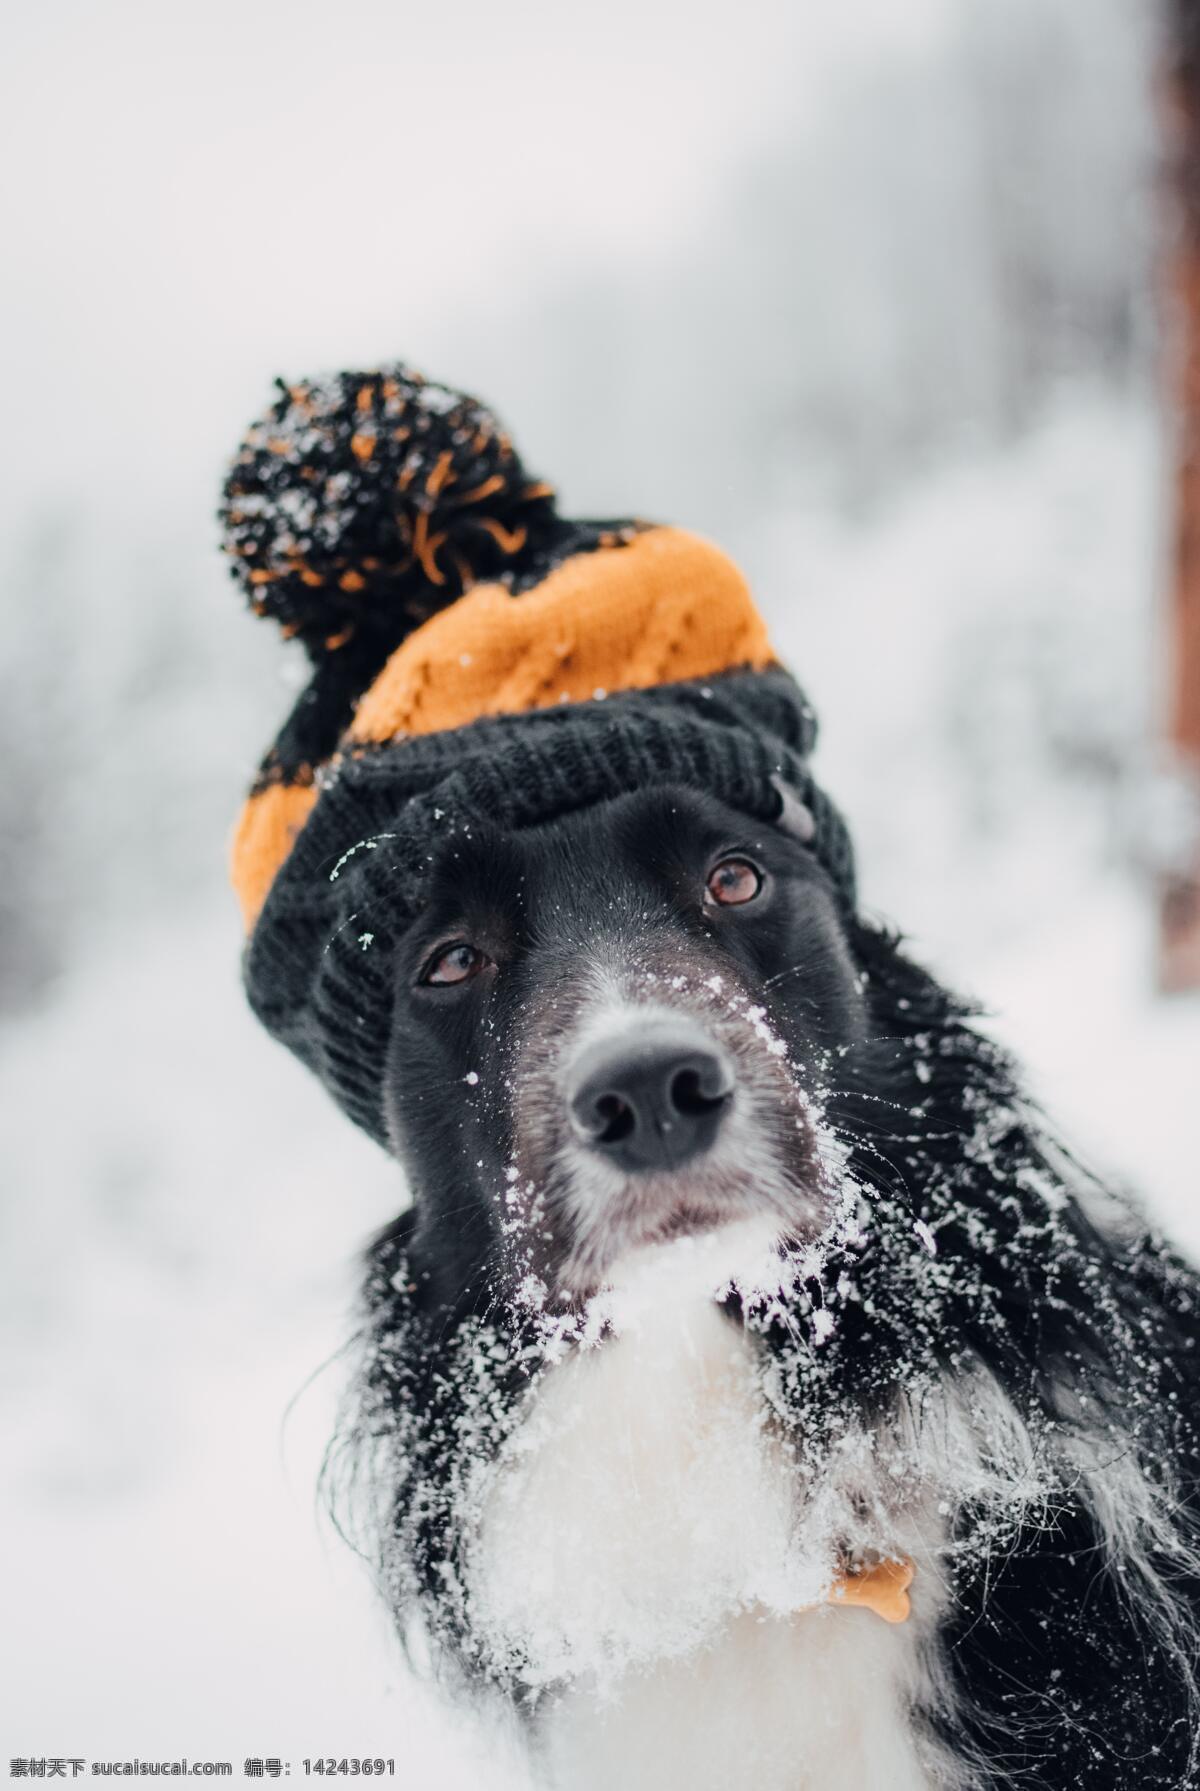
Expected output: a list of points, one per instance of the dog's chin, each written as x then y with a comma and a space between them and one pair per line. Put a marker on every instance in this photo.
748, 1256
731, 1235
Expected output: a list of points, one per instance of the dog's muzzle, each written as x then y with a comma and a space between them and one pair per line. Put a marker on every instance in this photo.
651, 1099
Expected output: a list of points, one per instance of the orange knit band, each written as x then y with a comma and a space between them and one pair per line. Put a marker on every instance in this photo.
665, 607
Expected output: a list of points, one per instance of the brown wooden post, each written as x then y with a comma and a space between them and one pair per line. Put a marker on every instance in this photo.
1180, 870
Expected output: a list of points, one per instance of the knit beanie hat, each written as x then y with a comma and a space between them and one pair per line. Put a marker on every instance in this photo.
475, 657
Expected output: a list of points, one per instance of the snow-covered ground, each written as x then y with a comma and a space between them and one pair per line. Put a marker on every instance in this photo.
184, 1207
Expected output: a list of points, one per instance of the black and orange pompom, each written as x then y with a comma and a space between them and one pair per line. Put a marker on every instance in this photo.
365, 502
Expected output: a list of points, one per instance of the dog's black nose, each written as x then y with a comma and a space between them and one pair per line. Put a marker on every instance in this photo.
652, 1099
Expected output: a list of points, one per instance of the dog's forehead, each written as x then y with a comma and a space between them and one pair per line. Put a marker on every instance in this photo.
614, 859
632, 845
641, 823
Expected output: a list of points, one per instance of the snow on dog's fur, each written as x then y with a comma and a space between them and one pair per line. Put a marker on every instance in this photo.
615, 1433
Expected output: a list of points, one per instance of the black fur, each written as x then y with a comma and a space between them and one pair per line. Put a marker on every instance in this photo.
1070, 1668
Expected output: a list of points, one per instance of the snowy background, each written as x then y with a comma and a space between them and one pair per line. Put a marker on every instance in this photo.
867, 294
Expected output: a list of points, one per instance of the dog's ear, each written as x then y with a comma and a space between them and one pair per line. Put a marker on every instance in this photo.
795, 818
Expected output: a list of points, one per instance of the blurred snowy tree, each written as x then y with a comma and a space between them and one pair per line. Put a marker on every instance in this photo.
1180, 858
37, 729
905, 273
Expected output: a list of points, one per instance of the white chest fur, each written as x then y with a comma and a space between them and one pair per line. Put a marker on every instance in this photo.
640, 1547
815, 1703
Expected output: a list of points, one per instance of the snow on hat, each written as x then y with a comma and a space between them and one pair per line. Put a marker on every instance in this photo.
474, 655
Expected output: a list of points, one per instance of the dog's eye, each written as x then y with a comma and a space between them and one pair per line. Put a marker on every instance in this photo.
733, 882
456, 963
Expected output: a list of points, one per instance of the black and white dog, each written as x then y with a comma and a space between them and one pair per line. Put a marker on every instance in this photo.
741, 1287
